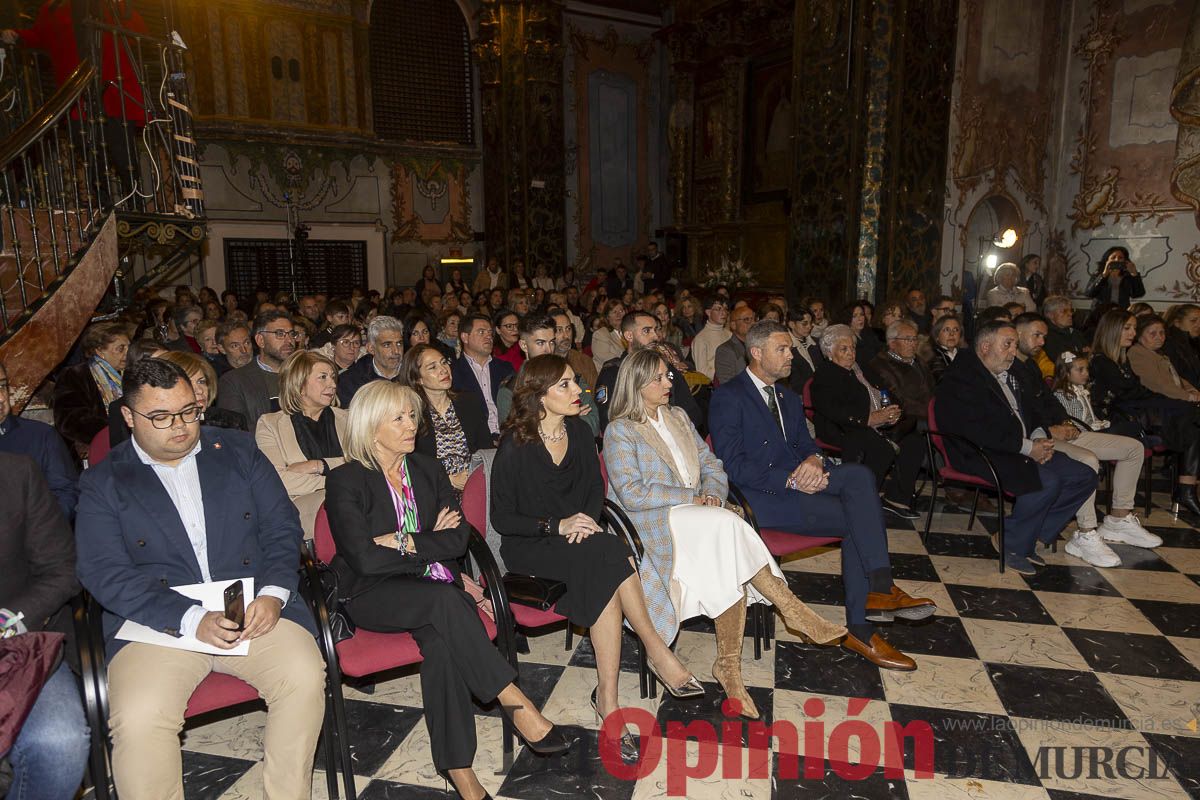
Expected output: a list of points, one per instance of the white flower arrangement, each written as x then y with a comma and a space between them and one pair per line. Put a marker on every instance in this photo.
732, 273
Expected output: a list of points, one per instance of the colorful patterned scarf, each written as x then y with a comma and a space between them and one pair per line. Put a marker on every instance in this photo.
408, 522
107, 379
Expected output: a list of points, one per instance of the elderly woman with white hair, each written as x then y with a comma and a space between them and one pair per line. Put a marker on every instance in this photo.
701, 559
1006, 289
849, 413
400, 534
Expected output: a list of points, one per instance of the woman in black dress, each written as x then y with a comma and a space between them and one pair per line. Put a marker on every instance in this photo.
399, 534
547, 500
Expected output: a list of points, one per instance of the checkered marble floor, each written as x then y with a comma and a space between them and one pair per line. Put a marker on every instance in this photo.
1010, 667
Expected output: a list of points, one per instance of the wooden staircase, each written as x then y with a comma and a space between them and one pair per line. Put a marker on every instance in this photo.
64, 193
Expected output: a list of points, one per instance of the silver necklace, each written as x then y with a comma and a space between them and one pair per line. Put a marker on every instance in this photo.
557, 436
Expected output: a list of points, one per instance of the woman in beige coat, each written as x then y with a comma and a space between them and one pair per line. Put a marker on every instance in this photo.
305, 439
1152, 366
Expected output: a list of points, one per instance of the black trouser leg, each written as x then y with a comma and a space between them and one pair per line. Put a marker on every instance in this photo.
908, 465
872, 450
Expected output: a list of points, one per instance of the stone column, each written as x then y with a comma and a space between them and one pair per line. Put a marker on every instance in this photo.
520, 54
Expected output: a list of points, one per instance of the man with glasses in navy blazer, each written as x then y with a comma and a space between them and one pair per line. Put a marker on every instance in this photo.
759, 433
178, 505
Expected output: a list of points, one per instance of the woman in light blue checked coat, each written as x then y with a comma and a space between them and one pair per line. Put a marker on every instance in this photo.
701, 559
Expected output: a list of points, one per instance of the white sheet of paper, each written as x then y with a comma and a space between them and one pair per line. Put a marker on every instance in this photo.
209, 595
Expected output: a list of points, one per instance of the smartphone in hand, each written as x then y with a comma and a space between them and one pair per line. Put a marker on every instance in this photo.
235, 605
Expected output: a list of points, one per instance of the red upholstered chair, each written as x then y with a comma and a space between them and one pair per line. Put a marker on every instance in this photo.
216, 692
809, 413
98, 449
368, 652
947, 476
780, 543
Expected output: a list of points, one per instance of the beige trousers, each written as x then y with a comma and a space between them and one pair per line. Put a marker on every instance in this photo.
1092, 448
148, 691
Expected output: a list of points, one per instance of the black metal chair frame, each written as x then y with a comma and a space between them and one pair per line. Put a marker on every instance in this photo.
89, 634
937, 479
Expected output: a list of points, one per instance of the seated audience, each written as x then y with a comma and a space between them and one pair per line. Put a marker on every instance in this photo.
492, 277
1032, 279
400, 536
564, 347
820, 318
453, 424
385, 348
547, 502
607, 343
688, 319
943, 306
186, 318
1061, 335
1043, 414
669, 332
336, 313
867, 344
946, 337
806, 351
711, 336
476, 370
178, 505
518, 301
1153, 368
306, 437
640, 331
1120, 397
914, 310
447, 335
1007, 291
48, 756
901, 373
539, 338
235, 346
345, 346
83, 392
206, 336
701, 559
1117, 280
508, 337
1183, 326
253, 390
792, 487
849, 413
40, 442
1072, 384
979, 399
731, 357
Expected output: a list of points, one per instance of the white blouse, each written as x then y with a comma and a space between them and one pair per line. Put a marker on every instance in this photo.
690, 480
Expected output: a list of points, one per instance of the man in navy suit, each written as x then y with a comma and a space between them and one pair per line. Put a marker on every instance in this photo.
172, 506
476, 370
758, 431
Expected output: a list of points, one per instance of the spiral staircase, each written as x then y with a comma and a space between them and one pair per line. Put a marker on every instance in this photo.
99, 187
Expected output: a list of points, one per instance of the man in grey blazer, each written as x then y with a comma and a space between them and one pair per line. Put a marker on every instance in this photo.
253, 390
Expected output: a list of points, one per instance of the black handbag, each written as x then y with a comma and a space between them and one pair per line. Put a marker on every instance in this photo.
340, 624
540, 593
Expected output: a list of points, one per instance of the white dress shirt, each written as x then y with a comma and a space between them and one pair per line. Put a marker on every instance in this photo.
689, 479
182, 483
483, 374
762, 395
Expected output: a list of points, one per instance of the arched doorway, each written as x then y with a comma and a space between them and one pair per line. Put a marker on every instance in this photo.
993, 235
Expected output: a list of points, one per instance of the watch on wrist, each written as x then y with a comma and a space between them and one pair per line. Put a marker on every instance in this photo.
544, 526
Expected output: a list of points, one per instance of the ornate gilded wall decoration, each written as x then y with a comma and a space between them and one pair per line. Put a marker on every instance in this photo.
1189, 289
431, 201
1104, 155
284, 174
1009, 64
1185, 108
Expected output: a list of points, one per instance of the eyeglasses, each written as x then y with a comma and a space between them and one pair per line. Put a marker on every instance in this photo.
163, 420
281, 334
510, 326
906, 338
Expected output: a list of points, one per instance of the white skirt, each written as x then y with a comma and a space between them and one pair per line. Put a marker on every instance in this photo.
716, 555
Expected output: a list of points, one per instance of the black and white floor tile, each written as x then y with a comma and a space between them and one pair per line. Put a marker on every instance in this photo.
1023, 685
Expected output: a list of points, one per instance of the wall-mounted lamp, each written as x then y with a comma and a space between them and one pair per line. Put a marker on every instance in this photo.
1006, 239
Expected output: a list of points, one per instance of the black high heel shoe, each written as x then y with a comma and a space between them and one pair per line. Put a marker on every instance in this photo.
629, 745
554, 743
1185, 500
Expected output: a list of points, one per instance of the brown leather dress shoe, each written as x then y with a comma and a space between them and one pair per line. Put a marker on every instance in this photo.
879, 653
898, 603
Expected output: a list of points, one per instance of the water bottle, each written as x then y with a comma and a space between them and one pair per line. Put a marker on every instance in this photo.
885, 400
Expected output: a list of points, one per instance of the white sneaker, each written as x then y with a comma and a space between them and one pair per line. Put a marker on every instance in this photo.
1091, 548
1127, 530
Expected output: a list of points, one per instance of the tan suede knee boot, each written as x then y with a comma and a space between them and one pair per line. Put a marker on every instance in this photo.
796, 615
727, 669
